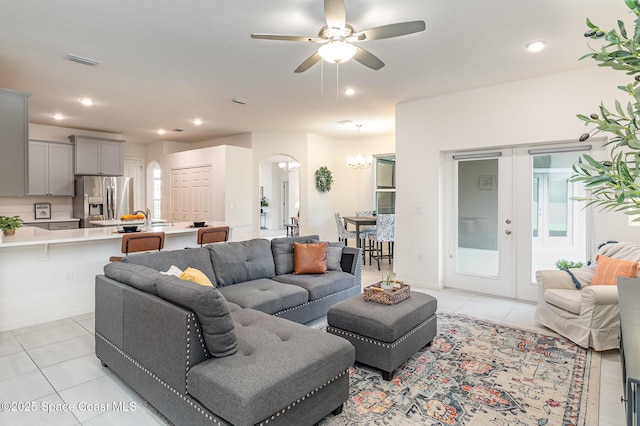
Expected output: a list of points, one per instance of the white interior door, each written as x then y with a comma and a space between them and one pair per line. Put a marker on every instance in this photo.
191, 193
480, 249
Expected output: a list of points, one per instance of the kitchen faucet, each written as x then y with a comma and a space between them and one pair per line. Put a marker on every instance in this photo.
147, 218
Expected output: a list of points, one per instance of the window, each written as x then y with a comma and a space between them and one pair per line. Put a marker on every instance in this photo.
385, 191
553, 212
157, 193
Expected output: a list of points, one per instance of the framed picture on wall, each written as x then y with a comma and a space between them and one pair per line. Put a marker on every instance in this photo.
42, 210
487, 182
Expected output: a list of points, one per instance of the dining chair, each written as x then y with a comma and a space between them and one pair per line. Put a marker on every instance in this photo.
365, 231
343, 234
385, 233
143, 241
216, 234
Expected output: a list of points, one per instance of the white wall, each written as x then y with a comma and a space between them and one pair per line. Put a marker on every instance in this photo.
232, 178
352, 189
524, 112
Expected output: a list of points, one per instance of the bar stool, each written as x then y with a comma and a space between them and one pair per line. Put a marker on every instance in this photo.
217, 234
385, 232
144, 241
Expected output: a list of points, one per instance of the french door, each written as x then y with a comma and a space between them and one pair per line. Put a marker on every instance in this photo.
508, 213
479, 252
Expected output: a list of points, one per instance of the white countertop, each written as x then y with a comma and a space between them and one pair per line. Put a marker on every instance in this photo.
29, 236
118, 222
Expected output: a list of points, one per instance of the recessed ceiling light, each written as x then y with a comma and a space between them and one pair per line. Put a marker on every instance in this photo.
197, 121
86, 101
536, 46
350, 91
161, 131
58, 116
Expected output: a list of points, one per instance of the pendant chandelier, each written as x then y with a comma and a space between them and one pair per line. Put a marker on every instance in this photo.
359, 162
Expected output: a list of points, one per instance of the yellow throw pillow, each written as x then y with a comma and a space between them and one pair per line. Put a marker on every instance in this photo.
196, 276
309, 258
609, 269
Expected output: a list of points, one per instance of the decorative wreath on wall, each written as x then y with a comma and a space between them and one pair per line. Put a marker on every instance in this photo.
323, 179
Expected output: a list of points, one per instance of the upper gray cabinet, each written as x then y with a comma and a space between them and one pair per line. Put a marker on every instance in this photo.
14, 136
98, 156
50, 168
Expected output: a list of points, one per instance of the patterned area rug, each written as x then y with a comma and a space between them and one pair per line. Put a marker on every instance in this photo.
479, 373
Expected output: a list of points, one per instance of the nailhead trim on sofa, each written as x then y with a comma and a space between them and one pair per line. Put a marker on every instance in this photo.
377, 342
311, 302
159, 380
299, 400
189, 401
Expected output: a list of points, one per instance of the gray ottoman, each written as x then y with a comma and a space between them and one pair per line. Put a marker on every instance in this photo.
385, 336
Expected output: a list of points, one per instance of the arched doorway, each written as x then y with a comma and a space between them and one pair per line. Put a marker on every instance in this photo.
279, 178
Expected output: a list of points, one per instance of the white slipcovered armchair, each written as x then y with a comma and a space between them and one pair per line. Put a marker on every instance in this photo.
585, 314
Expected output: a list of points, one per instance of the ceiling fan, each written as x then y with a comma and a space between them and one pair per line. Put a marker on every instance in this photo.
337, 38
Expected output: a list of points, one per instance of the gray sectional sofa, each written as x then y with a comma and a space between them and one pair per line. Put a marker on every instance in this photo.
234, 354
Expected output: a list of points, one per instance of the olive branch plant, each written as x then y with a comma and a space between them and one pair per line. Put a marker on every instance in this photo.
615, 185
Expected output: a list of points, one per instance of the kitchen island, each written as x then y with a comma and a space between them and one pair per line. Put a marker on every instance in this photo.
49, 275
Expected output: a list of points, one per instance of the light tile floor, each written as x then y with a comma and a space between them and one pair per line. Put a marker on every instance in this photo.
45, 368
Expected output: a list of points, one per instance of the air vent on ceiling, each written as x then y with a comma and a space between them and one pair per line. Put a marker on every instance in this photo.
241, 101
345, 121
178, 130
81, 60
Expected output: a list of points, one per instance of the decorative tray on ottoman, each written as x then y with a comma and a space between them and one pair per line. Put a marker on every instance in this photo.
374, 293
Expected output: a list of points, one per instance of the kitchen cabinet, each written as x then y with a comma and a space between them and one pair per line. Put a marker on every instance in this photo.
50, 168
55, 226
98, 156
14, 134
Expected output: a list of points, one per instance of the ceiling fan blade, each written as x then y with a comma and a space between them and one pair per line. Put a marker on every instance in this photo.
335, 13
368, 59
388, 31
287, 38
309, 62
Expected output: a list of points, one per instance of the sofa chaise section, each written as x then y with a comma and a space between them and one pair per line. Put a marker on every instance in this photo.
277, 372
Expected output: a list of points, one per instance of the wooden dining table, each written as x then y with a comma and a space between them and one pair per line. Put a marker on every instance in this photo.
359, 221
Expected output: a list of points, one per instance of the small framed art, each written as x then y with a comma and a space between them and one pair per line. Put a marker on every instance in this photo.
42, 210
487, 182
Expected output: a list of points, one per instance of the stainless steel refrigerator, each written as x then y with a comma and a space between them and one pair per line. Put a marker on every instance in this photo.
102, 198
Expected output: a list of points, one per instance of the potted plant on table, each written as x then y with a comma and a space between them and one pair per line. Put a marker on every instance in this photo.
9, 224
387, 283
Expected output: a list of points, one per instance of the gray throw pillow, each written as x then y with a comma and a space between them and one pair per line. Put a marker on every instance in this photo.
211, 309
282, 249
334, 256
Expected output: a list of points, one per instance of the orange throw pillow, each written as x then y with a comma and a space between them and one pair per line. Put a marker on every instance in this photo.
309, 258
609, 269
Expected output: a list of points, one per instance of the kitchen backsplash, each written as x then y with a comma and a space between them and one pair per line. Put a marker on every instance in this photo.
61, 207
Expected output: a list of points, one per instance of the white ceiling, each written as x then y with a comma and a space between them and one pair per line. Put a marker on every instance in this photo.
165, 62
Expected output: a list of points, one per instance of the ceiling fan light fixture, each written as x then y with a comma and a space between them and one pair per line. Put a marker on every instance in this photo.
536, 46
337, 51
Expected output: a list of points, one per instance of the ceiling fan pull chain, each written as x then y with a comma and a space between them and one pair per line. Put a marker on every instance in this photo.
321, 78
337, 80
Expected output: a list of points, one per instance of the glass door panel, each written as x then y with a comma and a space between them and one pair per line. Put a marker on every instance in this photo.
478, 217
480, 257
